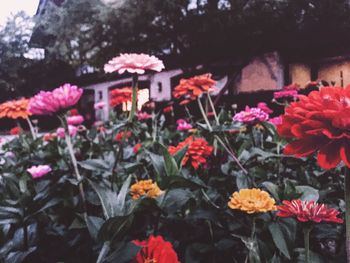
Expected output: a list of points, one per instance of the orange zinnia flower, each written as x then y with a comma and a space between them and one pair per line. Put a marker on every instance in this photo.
190, 89
252, 201
146, 188
198, 151
15, 109
119, 96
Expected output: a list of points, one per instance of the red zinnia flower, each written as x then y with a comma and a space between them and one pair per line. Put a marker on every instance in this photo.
191, 88
168, 109
119, 96
137, 148
155, 250
198, 151
319, 122
306, 211
120, 135
73, 112
15, 131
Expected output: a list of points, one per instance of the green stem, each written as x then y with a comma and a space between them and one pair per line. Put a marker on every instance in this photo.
134, 97
32, 130
307, 229
347, 211
74, 162
231, 154
213, 109
204, 115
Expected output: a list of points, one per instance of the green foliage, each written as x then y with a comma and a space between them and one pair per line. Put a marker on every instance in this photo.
191, 212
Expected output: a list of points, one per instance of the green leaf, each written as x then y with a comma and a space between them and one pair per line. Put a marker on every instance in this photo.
125, 254
308, 193
171, 167
94, 224
272, 189
181, 182
180, 155
120, 202
278, 239
158, 164
115, 228
95, 164
107, 198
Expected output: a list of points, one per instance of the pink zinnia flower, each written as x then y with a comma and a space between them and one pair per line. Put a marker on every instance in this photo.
285, 94
306, 211
72, 131
39, 171
142, 116
276, 120
183, 125
134, 63
99, 105
49, 102
75, 120
264, 107
251, 116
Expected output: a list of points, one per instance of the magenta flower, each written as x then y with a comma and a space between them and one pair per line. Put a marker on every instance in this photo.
72, 131
251, 116
134, 63
99, 105
142, 116
49, 102
183, 125
39, 171
263, 106
276, 121
285, 94
75, 120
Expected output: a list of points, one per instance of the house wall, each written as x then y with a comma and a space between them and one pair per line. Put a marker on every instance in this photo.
332, 72
160, 88
299, 73
264, 72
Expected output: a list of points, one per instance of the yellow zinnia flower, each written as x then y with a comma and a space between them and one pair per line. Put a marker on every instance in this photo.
145, 188
252, 201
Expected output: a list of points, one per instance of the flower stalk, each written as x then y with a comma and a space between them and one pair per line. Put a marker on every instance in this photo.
74, 162
204, 115
213, 109
32, 130
134, 97
307, 229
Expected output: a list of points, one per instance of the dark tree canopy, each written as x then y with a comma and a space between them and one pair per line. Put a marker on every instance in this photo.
187, 32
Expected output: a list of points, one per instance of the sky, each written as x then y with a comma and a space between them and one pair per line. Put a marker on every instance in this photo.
8, 7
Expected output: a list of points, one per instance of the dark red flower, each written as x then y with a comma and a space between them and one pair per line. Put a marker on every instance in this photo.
137, 148
120, 135
168, 109
73, 112
15, 131
197, 153
155, 250
319, 122
306, 211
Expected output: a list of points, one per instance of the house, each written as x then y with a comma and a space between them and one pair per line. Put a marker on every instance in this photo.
267, 71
